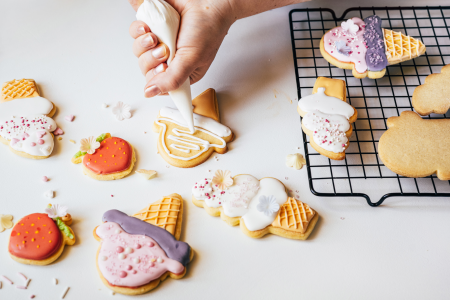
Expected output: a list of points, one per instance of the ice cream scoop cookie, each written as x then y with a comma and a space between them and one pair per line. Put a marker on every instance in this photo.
259, 206
39, 238
366, 48
105, 157
26, 123
138, 252
327, 117
182, 148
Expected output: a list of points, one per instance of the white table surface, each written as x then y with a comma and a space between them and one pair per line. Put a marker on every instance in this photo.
79, 52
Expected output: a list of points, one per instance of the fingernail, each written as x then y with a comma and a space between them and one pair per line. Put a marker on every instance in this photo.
158, 69
140, 30
152, 91
147, 41
159, 52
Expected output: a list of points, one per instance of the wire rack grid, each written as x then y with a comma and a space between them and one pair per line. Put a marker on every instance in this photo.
362, 173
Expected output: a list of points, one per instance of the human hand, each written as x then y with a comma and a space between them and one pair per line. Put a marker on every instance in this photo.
203, 27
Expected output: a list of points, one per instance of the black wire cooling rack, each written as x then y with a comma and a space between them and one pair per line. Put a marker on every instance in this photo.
362, 173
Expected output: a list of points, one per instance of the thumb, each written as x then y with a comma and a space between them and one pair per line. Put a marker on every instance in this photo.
176, 74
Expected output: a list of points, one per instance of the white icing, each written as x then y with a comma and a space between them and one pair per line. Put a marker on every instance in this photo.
199, 121
184, 140
164, 22
24, 124
327, 118
242, 198
326, 104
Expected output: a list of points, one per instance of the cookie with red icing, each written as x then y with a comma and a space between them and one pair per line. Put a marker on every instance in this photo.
39, 238
106, 157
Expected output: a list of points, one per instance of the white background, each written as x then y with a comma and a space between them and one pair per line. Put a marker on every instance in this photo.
79, 52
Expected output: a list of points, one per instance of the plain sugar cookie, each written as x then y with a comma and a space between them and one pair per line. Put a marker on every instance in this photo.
26, 123
416, 147
105, 157
178, 146
260, 206
137, 252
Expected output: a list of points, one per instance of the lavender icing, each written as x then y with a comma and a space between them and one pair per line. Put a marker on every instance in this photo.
176, 250
373, 36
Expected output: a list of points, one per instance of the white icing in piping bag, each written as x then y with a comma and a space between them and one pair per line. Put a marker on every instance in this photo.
164, 22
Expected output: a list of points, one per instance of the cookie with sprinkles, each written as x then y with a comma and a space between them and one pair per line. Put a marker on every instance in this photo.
26, 123
105, 157
327, 117
366, 48
40, 238
138, 252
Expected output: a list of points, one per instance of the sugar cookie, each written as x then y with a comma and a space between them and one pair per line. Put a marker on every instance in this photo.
182, 149
137, 253
416, 147
26, 123
434, 95
105, 158
366, 48
327, 117
39, 239
259, 206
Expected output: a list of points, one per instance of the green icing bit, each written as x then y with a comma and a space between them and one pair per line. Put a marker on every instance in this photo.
79, 153
101, 137
63, 227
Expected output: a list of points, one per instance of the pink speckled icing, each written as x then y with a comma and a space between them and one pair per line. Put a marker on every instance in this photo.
131, 260
354, 41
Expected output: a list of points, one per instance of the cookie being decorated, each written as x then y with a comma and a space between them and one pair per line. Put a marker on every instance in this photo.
258, 206
366, 48
26, 123
138, 252
181, 148
106, 157
39, 239
327, 117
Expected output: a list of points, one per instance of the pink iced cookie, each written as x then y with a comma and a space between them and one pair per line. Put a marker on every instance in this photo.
131, 260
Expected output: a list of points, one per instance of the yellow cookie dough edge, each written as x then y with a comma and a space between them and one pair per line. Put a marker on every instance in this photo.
51, 259
188, 163
349, 65
113, 176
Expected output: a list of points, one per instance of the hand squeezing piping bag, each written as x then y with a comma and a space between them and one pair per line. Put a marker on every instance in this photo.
164, 22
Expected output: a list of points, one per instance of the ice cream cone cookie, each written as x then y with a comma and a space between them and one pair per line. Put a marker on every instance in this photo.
39, 239
366, 48
105, 157
259, 206
327, 117
181, 148
26, 123
138, 252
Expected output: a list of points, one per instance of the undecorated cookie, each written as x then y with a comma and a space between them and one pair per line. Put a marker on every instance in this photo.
178, 146
26, 123
138, 252
39, 239
327, 117
416, 147
366, 48
259, 206
434, 95
105, 157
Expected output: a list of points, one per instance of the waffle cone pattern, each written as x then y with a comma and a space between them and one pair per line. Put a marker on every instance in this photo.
400, 47
294, 215
16, 89
163, 213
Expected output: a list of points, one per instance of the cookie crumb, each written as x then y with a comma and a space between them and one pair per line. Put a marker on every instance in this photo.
59, 138
72, 141
55, 281
104, 105
65, 293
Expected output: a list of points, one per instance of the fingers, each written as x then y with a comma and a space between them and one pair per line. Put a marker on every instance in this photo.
144, 43
152, 58
170, 79
138, 28
135, 4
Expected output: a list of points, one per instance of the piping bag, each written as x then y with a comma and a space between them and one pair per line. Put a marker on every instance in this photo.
164, 22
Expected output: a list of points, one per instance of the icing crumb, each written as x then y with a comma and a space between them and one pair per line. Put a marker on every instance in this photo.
49, 194
104, 105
